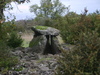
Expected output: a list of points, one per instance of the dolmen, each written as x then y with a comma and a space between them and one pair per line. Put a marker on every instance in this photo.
44, 40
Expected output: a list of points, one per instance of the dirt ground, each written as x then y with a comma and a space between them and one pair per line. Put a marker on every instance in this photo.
26, 39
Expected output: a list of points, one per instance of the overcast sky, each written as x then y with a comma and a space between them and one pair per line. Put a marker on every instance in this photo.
22, 11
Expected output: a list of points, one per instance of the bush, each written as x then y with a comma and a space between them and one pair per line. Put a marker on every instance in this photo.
5, 29
72, 24
6, 59
83, 59
8, 34
14, 40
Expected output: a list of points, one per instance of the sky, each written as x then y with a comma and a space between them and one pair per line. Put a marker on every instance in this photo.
21, 11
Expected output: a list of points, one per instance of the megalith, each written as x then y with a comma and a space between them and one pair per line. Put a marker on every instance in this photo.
44, 40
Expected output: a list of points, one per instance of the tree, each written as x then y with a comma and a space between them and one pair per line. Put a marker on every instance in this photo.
48, 9
5, 4
7, 27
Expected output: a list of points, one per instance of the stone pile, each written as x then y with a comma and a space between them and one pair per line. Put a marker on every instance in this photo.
32, 63
41, 57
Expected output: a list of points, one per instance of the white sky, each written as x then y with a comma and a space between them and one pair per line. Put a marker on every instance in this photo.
21, 11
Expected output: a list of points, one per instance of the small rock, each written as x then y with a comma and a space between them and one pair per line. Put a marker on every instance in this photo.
27, 58
44, 68
18, 53
15, 73
24, 71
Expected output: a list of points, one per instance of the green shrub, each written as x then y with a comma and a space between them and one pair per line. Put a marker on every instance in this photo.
5, 29
83, 59
6, 59
14, 40
8, 34
72, 24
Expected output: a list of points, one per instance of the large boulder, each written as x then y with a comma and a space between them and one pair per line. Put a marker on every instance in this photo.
44, 40
38, 44
44, 30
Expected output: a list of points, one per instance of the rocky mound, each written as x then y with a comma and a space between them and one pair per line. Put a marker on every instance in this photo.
32, 63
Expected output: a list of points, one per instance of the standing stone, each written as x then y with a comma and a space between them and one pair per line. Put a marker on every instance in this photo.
44, 40
38, 44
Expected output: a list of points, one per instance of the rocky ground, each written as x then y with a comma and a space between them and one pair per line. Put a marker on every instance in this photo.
33, 63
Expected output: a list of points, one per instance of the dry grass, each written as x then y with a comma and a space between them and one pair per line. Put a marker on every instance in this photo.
27, 38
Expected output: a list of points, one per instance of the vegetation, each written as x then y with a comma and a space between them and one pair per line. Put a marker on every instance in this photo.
9, 35
48, 10
14, 40
6, 4
81, 30
72, 24
8, 38
24, 25
83, 59
6, 59
41, 27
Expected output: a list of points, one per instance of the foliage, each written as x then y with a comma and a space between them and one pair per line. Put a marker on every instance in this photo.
83, 59
72, 24
84, 32
48, 9
6, 59
20, 28
14, 40
7, 4
5, 29
8, 34
24, 25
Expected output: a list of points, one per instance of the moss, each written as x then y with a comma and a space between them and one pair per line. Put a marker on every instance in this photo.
25, 43
18, 69
41, 27
43, 59
35, 41
4, 71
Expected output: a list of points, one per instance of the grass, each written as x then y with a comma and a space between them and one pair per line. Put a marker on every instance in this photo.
25, 43
43, 59
41, 27
18, 69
